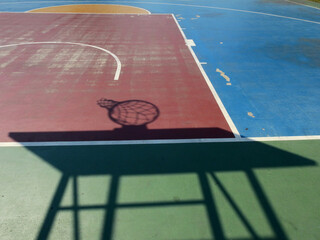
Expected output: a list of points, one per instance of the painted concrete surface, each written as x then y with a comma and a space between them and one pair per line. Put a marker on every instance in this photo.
240, 190
61, 65
267, 48
182, 191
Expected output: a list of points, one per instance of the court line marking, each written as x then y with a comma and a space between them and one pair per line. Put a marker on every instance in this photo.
118, 70
301, 4
91, 4
179, 4
228, 9
212, 89
164, 141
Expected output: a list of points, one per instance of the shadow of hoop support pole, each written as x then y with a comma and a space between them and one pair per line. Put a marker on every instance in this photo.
214, 219
266, 206
202, 159
110, 213
53, 208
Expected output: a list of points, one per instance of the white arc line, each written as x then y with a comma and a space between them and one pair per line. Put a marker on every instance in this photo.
301, 4
118, 71
226, 9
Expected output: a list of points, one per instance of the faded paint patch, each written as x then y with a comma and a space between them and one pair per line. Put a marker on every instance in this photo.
197, 17
280, 2
7, 53
303, 52
222, 74
38, 57
5, 64
212, 14
251, 114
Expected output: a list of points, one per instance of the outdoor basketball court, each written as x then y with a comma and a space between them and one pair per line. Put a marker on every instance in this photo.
159, 120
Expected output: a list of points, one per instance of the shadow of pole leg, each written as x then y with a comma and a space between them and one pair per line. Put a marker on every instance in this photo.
236, 208
53, 209
215, 223
266, 206
76, 209
110, 211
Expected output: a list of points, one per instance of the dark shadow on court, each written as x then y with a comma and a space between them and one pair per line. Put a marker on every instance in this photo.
204, 160
133, 116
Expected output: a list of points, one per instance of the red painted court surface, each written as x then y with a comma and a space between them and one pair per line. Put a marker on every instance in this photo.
55, 67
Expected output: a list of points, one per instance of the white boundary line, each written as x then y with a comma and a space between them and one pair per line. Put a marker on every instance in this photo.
213, 91
229, 9
301, 4
92, 4
178, 4
118, 71
152, 142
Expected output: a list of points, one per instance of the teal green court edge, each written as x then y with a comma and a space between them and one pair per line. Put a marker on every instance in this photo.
252, 190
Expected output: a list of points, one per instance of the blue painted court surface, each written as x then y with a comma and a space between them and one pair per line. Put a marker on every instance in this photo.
269, 52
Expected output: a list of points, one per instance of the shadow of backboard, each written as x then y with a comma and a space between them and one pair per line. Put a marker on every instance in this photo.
203, 159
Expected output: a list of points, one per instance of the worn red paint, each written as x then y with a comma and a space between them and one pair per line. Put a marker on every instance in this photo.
54, 88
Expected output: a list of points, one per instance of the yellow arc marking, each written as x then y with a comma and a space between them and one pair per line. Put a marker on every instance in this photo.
91, 8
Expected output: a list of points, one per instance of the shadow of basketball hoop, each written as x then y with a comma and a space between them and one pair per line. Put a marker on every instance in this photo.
205, 160
130, 114
133, 116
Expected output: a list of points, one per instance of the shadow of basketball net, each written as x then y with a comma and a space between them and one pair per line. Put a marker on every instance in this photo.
204, 160
133, 115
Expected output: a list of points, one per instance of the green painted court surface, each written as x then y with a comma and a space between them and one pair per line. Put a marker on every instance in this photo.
244, 190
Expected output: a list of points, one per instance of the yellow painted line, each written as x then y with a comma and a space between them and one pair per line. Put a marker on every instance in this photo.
92, 8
